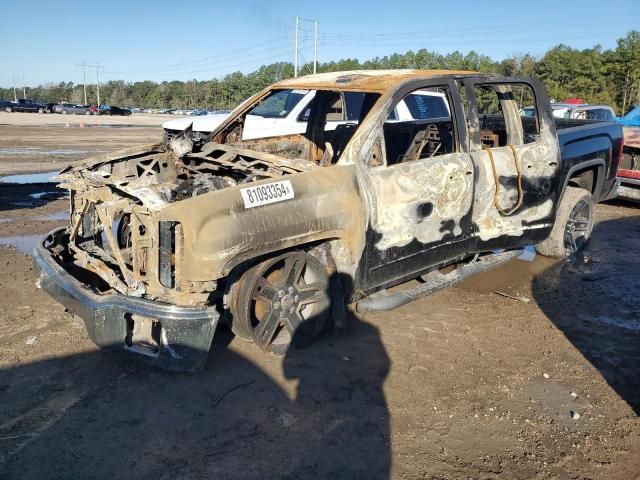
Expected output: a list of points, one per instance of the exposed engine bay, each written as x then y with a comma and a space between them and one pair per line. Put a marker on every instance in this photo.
112, 232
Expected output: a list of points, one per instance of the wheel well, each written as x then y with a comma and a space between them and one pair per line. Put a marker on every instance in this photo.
587, 178
237, 271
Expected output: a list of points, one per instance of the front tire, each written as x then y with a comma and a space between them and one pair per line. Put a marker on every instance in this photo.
572, 229
282, 303
8, 109
63, 112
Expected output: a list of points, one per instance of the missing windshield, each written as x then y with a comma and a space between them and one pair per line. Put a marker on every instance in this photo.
312, 125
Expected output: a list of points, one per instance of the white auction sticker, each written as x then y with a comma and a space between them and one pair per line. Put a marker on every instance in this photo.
267, 193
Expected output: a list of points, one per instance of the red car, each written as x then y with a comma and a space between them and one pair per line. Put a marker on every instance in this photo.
629, 168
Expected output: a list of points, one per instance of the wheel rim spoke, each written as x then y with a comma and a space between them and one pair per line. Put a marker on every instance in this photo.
293, 270
265, 290
292, 321
577, 227
312, 293
267, 327
287, 299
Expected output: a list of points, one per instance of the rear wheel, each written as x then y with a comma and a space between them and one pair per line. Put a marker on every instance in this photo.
282, 302
8, 109
574, 223
64, 112
41, 110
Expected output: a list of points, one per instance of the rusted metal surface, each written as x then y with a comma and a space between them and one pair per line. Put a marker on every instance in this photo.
632, 137
381, 81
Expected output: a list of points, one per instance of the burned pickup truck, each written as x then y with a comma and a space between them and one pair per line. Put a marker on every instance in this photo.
277, 234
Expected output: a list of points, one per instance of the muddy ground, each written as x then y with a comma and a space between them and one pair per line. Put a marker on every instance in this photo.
33, 142
529, 371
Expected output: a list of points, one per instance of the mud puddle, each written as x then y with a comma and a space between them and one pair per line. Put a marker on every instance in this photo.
518, 272
106, 125
50, 195
22, 243
56, 216
28, 178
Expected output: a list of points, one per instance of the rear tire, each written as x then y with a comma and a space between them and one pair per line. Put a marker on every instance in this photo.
64, 112
8, 109
41, 110
573, 226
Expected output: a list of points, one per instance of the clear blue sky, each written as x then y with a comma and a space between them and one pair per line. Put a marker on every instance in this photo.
44, 40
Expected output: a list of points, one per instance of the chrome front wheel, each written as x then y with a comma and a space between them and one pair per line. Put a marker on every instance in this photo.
283, 302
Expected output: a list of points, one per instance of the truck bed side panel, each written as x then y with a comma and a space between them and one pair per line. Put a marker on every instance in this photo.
589, 144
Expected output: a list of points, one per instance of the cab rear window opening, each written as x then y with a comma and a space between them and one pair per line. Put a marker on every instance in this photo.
491, 99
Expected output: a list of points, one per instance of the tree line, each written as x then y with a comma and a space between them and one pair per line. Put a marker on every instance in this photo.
593, 74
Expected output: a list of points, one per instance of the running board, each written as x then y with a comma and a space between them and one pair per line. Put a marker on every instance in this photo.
433, 281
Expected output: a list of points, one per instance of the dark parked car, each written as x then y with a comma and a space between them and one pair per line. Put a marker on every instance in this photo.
65, 108
49, 107
112, 110
24, 105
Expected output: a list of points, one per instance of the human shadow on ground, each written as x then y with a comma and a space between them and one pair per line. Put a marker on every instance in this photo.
104, 414
594, 300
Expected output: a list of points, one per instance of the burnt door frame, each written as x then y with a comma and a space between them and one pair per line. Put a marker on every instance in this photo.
539, 162
449, 240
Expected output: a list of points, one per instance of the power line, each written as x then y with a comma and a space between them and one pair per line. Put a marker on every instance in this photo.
460, 31
264, 46
273, 56
471, 43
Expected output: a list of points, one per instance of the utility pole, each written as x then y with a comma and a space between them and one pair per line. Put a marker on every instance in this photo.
315, 47
97, 67
24, 91
98, 84
297, 46
84, 80
295, 58
15, 97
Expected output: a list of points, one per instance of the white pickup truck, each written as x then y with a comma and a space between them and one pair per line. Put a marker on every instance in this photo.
287, 113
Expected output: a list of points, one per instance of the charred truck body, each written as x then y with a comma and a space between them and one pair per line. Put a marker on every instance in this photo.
278, 234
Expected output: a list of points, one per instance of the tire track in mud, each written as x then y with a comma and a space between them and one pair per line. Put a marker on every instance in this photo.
24, 429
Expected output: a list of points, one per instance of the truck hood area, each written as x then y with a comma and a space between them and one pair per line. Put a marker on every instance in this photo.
117, 230
153, 176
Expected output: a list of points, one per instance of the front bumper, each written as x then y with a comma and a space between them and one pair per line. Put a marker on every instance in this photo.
179, 338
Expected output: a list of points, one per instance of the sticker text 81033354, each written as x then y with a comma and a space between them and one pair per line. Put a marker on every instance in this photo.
267, 193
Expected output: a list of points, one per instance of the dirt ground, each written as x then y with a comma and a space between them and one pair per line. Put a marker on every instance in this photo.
33, 142
528, 371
